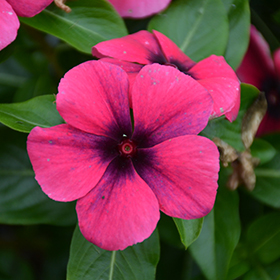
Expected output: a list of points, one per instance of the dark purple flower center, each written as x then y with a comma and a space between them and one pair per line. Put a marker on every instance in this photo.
160, 59
271, 88
127, 148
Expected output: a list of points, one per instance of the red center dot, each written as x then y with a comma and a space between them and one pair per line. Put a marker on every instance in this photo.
127, 148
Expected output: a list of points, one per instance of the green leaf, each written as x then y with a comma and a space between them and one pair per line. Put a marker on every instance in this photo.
231, 132
198, 27
88, 261
220, 234
189, 230
263, 237
39, 111
263, 150
21, 198
267, 185
89, 23
239, 30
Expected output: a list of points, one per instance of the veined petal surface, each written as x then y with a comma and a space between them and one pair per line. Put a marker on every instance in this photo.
139, 47
183, 173
172, 52
9, 24
167, 103
29, 8
221, 82
120, 211
93, 97
68, 163
139, 9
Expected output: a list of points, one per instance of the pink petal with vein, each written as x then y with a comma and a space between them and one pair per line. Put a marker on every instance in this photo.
139, 9
120, 211
9, 24
167, 103
93, 97
138, 47
221, 82
29, 8
172, 52
183, 173
68, 163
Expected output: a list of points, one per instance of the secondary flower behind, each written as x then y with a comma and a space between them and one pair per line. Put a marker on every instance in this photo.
10, 9
260, 70
134, 51
139, 9
123, 170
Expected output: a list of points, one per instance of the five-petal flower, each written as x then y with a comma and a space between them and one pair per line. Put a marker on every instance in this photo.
123, 165
10, 9
139, 9
260, 70
134, 51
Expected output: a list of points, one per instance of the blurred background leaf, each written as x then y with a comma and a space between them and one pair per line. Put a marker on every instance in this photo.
199, 27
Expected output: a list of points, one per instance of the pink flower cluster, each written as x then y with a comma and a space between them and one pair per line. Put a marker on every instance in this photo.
130, 146
10, 10
134, 51
259, 69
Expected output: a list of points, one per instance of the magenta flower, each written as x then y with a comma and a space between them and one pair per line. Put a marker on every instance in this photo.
134, 51
260, 70
10, 9
139, 9
123, 171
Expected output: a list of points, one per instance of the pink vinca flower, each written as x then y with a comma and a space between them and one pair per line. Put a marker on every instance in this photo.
260, 70
10, 9
123, 171
139, 9
134, 51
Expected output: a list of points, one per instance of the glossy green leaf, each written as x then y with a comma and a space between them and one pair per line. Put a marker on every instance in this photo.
239, 30
263, 150
267, 188
231, 132
88, 261
198, 27
89, 23
39, 111
220, 234
189, 230
21, 198
264, 237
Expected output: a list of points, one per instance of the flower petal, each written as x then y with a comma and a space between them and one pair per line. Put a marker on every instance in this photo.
132, 69
9, 24
29, 8
68, 163
93, 97
183, 173
257, 63
139, 9
173, 53
167, 103
120, 211
220, 81
139, 47
276, 60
